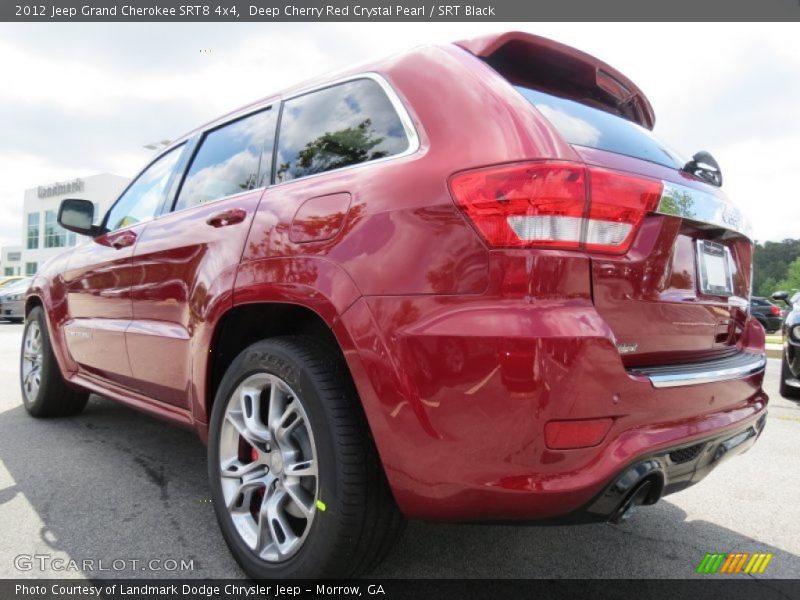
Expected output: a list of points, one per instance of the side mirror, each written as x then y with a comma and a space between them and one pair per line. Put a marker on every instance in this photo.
77, 215
782, 296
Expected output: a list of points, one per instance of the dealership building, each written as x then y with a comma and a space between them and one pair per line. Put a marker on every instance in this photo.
42, 236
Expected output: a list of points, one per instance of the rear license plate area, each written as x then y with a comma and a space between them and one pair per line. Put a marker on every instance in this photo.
714, 269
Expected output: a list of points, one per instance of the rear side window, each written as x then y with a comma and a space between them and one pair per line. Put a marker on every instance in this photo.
583, 125
346, 124
231, 159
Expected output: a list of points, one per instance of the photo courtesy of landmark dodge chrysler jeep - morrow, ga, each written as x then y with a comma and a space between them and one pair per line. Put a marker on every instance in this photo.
463, 283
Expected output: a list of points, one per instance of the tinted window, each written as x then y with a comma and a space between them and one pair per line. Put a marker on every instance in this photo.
142, 199
232, 159
343, 125
586, 126
760, 302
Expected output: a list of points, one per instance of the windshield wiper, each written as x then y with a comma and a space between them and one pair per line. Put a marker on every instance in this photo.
704, 166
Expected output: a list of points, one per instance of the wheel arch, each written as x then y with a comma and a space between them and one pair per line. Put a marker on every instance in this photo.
244, 324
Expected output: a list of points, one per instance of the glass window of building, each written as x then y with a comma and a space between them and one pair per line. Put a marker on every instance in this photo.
30, 268
55, 236
33, 231
9, 271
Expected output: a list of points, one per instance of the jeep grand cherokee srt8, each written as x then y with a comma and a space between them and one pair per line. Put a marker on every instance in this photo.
463, 283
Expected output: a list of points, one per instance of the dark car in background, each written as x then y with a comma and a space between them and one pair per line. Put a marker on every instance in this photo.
768, 314
790, 361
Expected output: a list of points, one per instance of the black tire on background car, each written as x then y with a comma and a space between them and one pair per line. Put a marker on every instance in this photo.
296, 483
44, 391
788, 391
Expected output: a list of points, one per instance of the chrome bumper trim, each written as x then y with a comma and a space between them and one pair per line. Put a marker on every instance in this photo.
739, 366
703, 207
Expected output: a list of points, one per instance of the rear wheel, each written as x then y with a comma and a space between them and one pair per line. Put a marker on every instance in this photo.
297, 486
788, 391
44, 391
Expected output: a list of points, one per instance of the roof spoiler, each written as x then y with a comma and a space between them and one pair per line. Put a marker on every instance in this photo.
527, 59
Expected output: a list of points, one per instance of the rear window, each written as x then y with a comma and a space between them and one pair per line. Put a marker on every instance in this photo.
583, 125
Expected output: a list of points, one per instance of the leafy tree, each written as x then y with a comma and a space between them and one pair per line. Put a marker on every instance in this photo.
331, 150
771, 262
792, 280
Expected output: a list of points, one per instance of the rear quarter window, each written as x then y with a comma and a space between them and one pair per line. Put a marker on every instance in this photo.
335, 127
583, 125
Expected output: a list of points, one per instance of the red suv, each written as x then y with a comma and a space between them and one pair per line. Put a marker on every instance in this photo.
463, 283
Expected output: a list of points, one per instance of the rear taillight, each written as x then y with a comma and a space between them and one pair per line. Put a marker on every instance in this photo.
776, 312
555, 205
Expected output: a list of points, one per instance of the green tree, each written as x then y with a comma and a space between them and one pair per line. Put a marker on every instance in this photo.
792, 280
771, 262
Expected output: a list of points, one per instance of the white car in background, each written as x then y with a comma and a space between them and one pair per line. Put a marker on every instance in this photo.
12, 300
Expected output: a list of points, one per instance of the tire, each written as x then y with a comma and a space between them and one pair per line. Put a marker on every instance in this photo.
50, 397
344, 520
787, 391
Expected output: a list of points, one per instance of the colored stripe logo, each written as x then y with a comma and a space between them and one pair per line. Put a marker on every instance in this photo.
736, 562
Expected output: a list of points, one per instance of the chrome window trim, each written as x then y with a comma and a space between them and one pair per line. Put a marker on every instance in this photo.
703, 207
751, 365
394, 99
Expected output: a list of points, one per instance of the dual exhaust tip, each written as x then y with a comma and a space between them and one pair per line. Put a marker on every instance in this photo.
640, 485
645, 492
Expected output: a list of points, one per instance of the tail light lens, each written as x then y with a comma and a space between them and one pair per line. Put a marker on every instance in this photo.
555, 205
776, 312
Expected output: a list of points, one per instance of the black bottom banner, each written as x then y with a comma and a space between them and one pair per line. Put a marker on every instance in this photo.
391, 589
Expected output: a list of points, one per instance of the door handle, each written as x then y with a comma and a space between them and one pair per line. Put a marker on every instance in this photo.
123, 240
226, 217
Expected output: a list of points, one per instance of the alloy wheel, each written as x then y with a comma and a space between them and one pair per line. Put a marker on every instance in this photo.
32, 358
268, 467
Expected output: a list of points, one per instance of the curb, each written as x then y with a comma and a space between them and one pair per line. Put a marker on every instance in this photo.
774, 350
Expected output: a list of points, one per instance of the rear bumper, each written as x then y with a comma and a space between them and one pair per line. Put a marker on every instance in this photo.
670, 470
738, 366
771, 322
458, 391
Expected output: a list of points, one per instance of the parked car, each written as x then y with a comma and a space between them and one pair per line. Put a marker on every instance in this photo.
767, 313
12, 300
5, 281
458, 284
790, 360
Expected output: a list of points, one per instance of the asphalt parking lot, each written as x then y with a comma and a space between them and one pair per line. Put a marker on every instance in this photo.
112, 484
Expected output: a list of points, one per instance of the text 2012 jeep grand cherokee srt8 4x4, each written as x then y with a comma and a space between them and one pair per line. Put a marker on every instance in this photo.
463, 283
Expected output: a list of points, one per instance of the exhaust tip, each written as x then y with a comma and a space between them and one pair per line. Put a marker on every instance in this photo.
640, 495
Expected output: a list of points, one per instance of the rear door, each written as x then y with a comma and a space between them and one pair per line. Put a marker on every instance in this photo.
99, 275
185, 260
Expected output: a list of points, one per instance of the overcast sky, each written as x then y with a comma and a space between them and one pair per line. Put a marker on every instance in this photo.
80, 99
